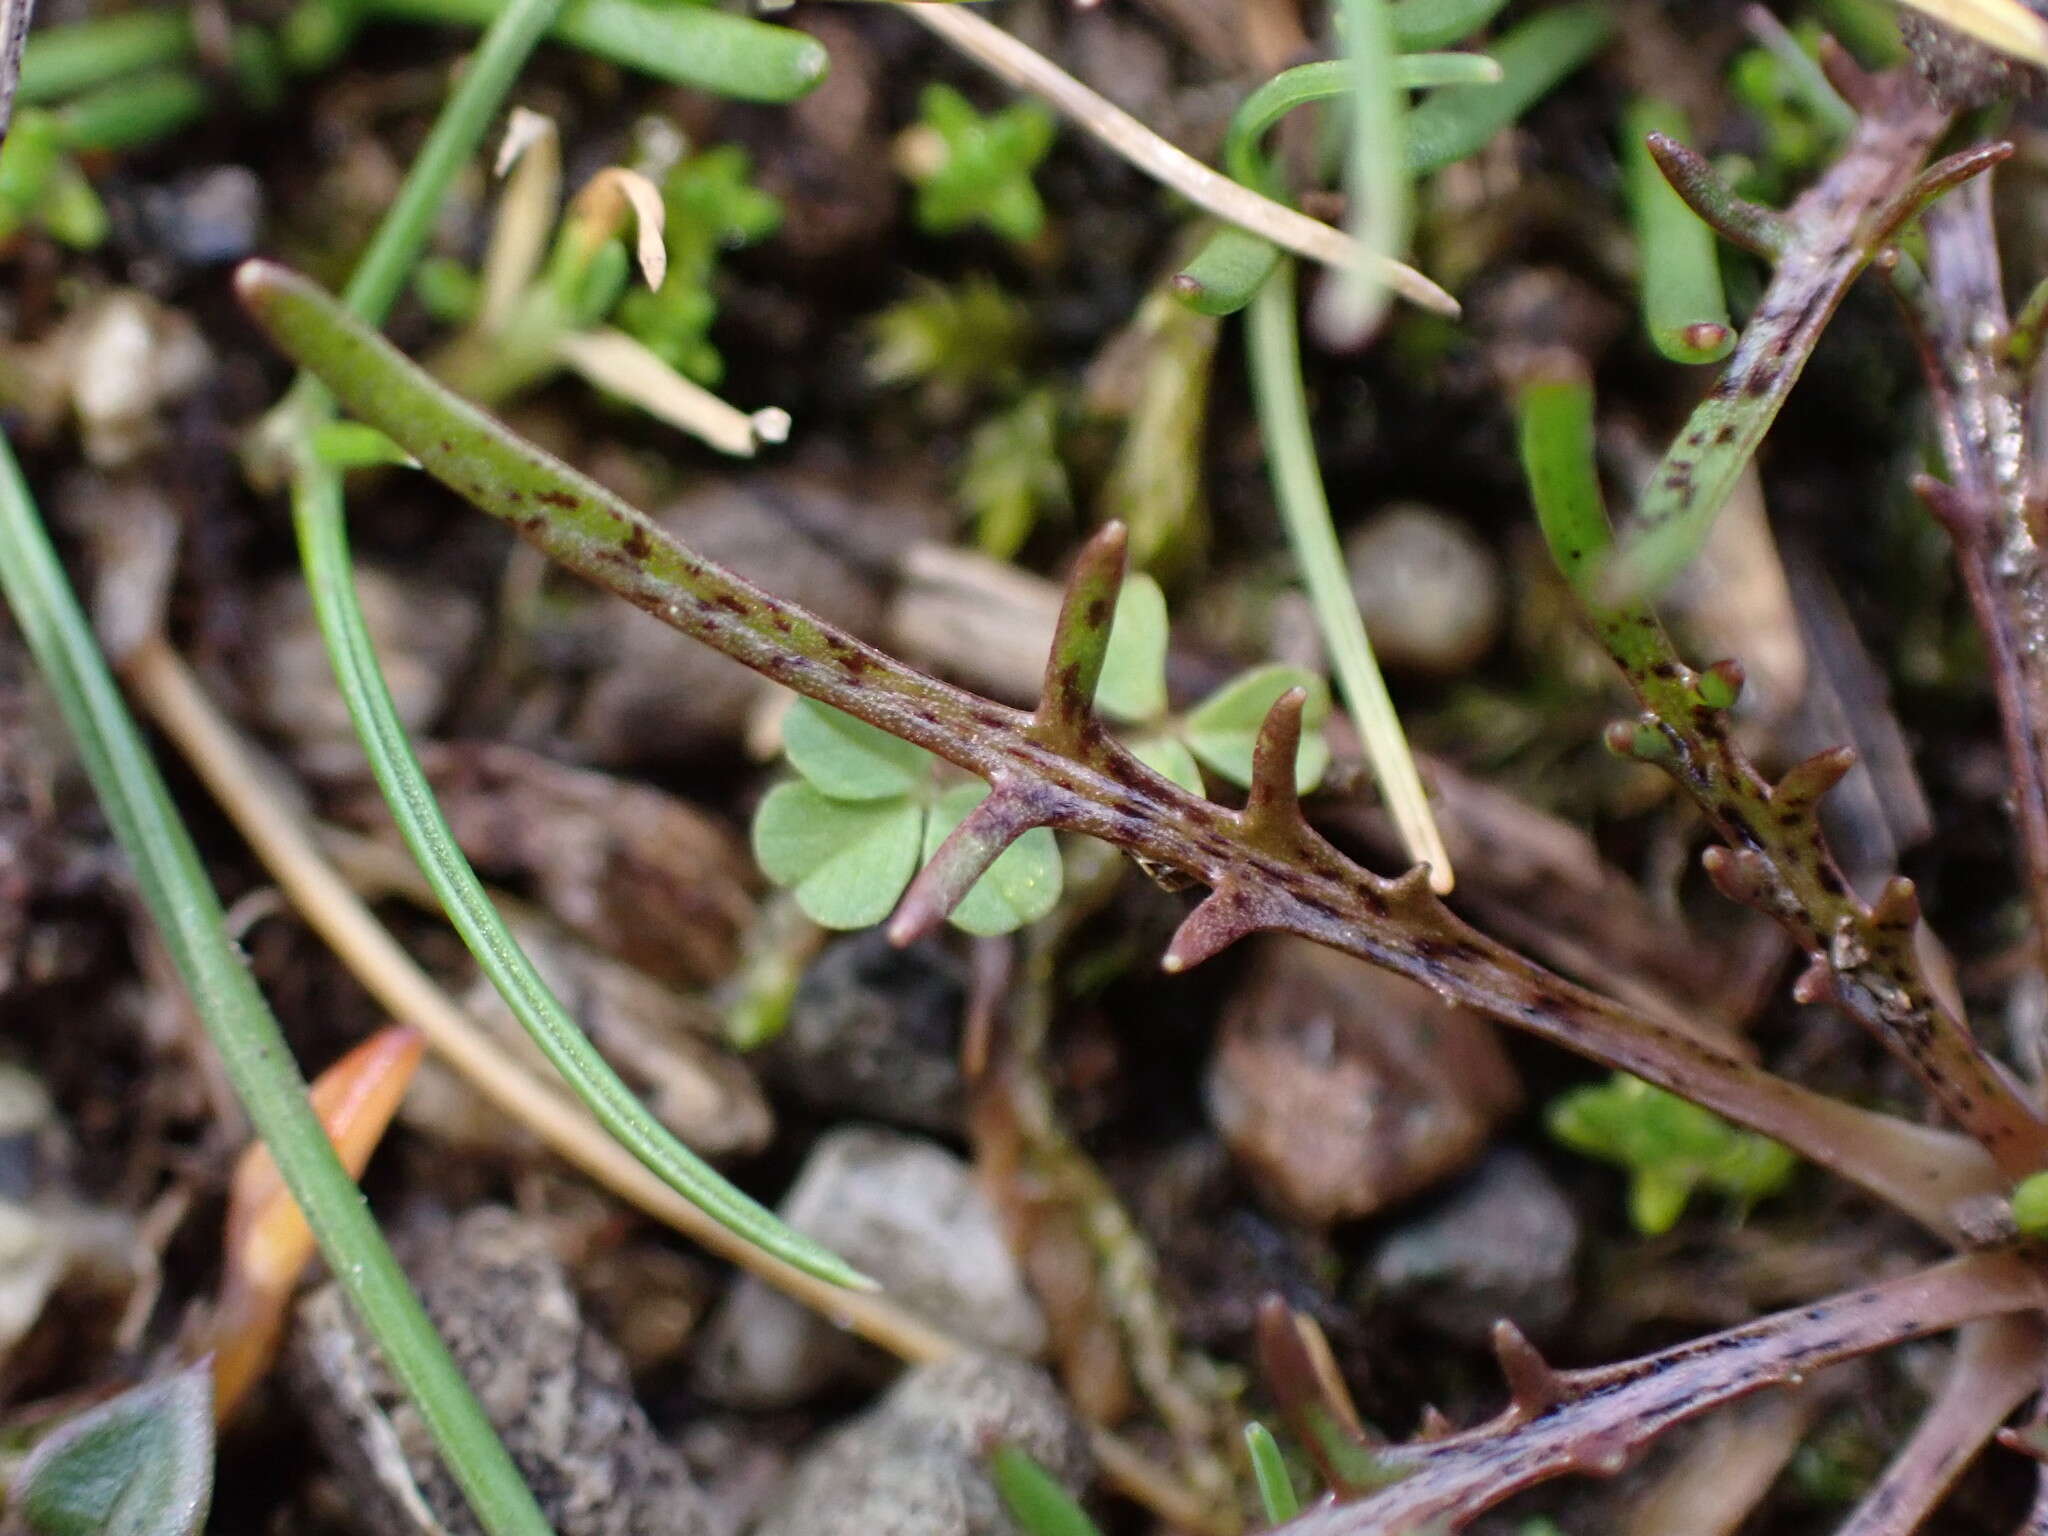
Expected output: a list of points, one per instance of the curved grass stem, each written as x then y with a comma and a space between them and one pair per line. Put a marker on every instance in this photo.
1274, 352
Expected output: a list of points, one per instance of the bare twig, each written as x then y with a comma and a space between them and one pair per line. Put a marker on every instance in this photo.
1208, 189
1991, 506
1266, 868
1593, 1422
1997, 1366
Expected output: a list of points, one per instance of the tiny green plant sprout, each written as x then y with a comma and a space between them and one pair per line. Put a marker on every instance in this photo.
1671, 1149
970, 169
867, 810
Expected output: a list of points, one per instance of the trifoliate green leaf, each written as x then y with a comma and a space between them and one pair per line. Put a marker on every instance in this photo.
1168, 758
849, 759
140, 1465
847, 861
1020, 887
1133, 686
1223, 728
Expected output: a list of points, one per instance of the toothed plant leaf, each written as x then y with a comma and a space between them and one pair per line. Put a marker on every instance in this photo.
1223, 729
140, 1465
1022, 885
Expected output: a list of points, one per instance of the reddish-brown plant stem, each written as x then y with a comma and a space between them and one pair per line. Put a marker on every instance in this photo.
1594, 1421
1266, 869
1992, 503
1997, 1367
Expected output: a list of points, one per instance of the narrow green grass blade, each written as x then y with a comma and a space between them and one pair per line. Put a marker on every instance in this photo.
1233, 263
1533, 58
252, 1048
1273, 350
324, 553
1035, 1500
1227, 272
682, 43
317, 515
62, 61
1554, 418
1380, 200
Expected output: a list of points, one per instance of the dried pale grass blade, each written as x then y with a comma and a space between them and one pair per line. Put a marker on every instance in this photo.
1208, 189
530, 158
615, 361
2006, 25
601, 208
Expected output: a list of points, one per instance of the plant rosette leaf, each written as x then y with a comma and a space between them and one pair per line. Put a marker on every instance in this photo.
847, 837
979, 168
1165, 756
1222, 730
140, 1465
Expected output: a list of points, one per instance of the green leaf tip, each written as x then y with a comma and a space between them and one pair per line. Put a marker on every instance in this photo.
1034, 1497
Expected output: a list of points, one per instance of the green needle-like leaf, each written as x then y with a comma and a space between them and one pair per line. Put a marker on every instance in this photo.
1022, 885
1680, 266
846, 860
1133, 683
848, 759
1223, 728
1269, 1468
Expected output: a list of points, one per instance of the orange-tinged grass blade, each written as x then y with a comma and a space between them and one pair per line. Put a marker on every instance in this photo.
268, 1241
